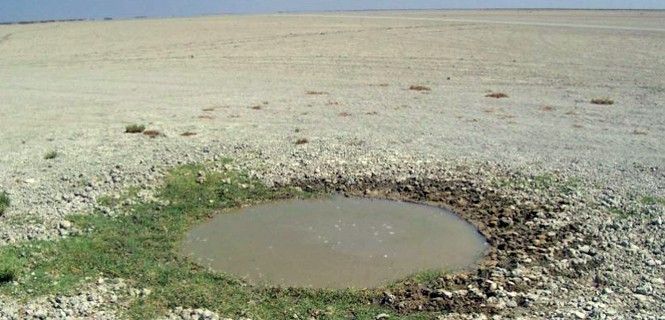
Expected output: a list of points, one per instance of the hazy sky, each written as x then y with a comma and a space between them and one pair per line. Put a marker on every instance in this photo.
13, 10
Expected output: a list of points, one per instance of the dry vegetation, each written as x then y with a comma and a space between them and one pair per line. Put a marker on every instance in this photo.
51, 155
152, 133
496, 95
602, 101
419, 88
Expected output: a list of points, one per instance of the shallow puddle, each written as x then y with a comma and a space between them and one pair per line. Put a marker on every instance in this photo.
337, 242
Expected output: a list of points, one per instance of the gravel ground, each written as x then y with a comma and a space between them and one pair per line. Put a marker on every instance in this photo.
251, 86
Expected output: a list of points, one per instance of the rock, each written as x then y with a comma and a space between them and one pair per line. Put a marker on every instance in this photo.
382, 316
65, 225
442, 293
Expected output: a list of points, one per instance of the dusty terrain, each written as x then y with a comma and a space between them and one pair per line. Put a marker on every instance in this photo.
251, 86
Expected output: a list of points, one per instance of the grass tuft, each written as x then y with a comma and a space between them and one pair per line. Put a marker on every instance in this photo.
134, 128
153, 133
602, 101
10, 266
419, 88
653, 200
4, 202
496, 95
51, 155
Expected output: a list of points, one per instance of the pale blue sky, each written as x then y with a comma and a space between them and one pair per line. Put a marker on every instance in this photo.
14, 10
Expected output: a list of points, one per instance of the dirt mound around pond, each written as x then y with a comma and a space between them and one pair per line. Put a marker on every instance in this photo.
528, 243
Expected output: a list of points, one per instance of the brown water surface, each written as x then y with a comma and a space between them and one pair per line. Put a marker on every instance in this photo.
337, 242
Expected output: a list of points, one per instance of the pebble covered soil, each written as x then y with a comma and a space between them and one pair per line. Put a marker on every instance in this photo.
397, 105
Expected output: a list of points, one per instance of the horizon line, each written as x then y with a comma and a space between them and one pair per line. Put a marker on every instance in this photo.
157, 17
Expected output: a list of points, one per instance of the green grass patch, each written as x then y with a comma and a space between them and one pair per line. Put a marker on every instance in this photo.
4, 202
427, 276
10, 266
114, 201
545, 181
134, 128
652, 200
142, 248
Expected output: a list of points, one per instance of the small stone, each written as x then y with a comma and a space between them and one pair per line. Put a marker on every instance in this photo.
382, 316
585, 249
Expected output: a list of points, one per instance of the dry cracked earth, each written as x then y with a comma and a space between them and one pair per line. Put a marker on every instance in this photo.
400, 105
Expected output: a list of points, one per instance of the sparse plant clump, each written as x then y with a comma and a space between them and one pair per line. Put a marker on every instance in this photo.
496, 95
188, 134
316, 93
51, 155
4, 202
152, 133
9, 268
653, 200
134, 128
257, 107
603, 101
547, 108
419, 88
302, 141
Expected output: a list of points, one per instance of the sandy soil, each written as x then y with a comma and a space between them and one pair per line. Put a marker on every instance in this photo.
79, 83
73, 87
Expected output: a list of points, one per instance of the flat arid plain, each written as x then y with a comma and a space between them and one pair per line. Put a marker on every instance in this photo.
545, 129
